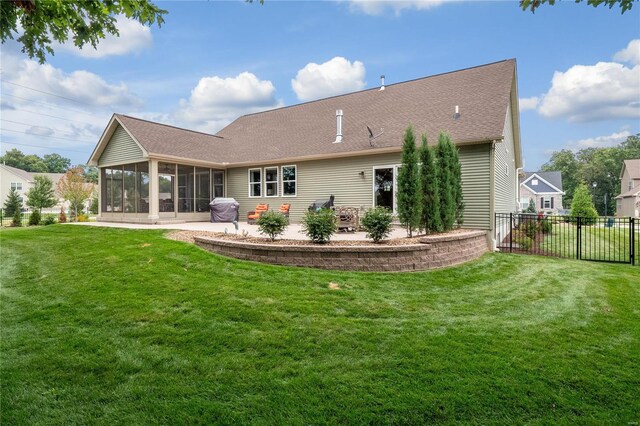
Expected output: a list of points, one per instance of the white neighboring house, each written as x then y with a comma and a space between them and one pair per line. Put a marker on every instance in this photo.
21, 181
628, 202
544, 188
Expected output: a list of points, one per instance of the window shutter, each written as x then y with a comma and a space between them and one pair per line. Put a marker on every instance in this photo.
551, 202
542, 202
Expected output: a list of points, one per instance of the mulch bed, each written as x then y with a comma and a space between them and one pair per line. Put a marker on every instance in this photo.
188, 236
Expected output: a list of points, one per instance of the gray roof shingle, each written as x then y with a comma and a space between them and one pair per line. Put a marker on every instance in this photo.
554, 178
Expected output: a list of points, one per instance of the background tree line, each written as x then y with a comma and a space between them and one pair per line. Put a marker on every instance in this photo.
601, 166
49, 163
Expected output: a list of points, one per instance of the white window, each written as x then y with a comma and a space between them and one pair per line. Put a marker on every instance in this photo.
534, 182
271, 182
16, 185
547, 202
255, 182
289, 181
524, 202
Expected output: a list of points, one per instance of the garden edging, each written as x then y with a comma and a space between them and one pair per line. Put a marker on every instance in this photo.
432, 252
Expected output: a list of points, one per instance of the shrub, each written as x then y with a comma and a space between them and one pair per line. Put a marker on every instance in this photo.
62, 217
524, 242
530, 228
582, 206
377, 223
320, 226
48, 219
82, 218
17, 218
34, 219
531, 208
12, 203
272, 224
546, 226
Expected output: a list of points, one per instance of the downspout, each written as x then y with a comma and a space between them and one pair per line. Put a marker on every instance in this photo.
518, 170
492, 189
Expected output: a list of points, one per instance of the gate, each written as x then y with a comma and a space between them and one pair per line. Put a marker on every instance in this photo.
602, 239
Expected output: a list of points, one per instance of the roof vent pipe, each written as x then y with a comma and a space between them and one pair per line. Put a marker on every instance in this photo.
338, 126
382, 82
456, 114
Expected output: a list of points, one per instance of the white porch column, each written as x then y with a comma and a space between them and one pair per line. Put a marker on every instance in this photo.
100, 183
154, 204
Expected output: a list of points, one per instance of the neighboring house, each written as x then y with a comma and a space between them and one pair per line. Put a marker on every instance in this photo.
628, 202
21, 181
544, 188
151, 172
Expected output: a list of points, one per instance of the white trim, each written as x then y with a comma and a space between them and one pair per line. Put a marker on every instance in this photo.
271, 181
106, 137
254, 183
16, 184
394, 168
543, 180
294, 181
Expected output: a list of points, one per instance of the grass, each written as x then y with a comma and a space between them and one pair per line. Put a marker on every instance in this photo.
111, 326
598, 243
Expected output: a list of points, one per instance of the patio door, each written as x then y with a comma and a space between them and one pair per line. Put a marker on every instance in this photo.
384, 187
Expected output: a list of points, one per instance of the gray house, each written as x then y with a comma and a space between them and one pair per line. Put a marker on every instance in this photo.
628, 202
347, 145
544, 188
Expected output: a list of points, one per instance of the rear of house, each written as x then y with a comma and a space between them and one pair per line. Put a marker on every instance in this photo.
347, 146
628, 202
544, 188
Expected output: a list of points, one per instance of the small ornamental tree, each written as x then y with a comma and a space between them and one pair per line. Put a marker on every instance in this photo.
446, 188
13, 203
74, 189
41, 196
531, 208
430, 219
409, 198
582, 205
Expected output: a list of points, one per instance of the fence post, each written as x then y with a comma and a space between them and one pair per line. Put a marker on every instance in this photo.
579, 232
632, 241
510, 232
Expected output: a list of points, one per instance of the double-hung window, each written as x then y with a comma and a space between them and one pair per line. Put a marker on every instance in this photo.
16, 186
271, 182
255, 182
289, 181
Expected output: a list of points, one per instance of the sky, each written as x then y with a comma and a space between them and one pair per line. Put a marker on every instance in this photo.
210, 62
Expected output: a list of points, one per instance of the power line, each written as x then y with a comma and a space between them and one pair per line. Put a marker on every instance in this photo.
48, 104
54, 116
45, 147
47, 93
31, 124
45, 136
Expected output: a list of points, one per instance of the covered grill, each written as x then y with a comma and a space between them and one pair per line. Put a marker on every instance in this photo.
322, 204
224, 210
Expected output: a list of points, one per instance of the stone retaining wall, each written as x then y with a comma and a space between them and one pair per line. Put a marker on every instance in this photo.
433, 252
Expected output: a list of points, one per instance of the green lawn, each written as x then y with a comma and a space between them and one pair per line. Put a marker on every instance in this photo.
108, 326
598, 243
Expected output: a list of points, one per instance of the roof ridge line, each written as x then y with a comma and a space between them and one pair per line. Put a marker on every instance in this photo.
169, 125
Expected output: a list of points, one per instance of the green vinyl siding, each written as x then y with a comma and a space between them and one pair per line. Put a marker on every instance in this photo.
121, 149
505, 179
476, 185
341, 177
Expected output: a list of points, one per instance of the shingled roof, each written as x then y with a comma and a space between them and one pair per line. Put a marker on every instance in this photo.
308, 130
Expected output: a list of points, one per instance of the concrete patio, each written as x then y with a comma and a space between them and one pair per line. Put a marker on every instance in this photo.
293, 231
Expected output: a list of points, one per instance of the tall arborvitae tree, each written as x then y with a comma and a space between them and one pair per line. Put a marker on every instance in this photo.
456, 171
430, 220
446, 188
409, 202
12, 204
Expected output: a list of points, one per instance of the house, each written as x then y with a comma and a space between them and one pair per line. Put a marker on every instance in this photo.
347, 145
544, 188
628, 202
22, 182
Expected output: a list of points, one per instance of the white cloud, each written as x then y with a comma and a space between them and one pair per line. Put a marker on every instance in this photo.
600, 141
216, 101
380, 7
133, 38
529, 103
334, 77
630, 54
606, 90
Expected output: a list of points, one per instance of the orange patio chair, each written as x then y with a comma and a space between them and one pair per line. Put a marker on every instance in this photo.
254, 215
284, 209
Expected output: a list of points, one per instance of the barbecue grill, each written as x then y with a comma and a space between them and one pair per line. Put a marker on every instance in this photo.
224, 210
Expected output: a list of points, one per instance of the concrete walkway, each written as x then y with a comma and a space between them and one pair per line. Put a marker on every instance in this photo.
293, 231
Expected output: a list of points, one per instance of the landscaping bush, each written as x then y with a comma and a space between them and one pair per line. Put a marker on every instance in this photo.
524, 242
530, 228
582, 206
272, 224
546, 226
48, 219
34, 219
377, 223
62, 217
320, 226
17, 218
82, 218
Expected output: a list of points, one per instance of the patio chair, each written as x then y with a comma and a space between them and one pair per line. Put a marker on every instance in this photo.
284, 210
254, 215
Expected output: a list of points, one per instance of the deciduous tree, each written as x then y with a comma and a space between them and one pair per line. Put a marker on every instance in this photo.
73, 188
41, 195
623, 4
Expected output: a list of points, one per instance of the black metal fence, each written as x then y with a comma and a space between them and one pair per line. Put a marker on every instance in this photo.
602, 239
